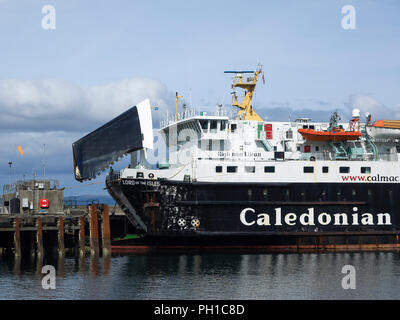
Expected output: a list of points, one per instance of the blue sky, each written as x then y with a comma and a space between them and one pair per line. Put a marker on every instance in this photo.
104, 56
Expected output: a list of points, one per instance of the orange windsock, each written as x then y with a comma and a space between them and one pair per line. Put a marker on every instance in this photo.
20, 150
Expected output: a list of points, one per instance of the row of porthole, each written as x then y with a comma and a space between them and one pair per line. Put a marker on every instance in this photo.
234, 169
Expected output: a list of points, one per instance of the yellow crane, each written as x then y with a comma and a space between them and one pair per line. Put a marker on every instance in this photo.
246, 111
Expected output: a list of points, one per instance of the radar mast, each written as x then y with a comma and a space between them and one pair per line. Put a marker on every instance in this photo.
246, 111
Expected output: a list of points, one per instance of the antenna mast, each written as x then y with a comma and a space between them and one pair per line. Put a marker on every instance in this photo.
177, 98
44, 161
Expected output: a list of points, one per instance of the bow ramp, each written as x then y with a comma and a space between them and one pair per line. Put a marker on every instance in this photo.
130, 131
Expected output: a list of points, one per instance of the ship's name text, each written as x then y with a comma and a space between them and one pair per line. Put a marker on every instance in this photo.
249, 217
227, 154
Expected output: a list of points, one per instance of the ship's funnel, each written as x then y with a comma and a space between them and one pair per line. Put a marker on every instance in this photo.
130, 131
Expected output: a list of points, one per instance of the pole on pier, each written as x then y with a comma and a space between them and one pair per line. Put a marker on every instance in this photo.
61, 245
106, 234
81, 236
17, 237
39, 237
94, 231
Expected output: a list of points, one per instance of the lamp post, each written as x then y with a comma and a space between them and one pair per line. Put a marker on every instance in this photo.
9, 187
10, 164
33, 190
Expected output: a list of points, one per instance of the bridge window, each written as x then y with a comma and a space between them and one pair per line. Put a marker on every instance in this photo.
223, 125
233, 127
204, 125
213, 126
221, 145
325, 169
308, 169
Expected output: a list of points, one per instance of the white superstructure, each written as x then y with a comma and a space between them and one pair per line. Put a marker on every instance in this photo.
214, 148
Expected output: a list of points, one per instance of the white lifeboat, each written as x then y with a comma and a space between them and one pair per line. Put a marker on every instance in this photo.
384, 129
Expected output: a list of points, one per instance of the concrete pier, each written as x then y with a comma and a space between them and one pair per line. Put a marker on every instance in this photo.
45, 234
38, 235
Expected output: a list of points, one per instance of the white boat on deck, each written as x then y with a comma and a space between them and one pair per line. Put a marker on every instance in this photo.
384, 129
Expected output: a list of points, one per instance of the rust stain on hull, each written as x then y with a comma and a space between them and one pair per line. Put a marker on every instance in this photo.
261, 248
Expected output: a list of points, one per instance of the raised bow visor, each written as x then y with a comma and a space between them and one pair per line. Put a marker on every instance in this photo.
130, 131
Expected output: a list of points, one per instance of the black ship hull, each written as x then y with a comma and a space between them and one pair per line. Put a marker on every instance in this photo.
281, 216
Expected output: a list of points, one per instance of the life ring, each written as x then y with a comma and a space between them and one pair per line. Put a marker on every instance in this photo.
195, 223
181, 222
151, 175
312, 158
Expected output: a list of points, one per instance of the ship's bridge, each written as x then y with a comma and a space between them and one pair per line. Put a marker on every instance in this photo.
192, 126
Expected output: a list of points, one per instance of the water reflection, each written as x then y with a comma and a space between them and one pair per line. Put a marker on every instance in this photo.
106, 259
204, 276
94, 264
17, 265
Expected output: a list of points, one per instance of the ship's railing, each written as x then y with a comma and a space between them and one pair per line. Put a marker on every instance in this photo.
9, 188
388, 157
113, 175
172, 118
191, 112
75, 203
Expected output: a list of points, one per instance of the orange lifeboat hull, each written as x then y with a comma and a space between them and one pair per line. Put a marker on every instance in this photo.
313, 135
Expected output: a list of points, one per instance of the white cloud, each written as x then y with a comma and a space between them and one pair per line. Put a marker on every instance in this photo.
50, 105
377, 109
57, 113
107, 101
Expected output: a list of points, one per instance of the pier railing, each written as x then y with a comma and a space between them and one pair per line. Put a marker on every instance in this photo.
45, 184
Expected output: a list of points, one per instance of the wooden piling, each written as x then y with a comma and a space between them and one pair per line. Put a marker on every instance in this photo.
39, 236
94, 231
17, 237
32, 247
61, 245
81, 235
106, 233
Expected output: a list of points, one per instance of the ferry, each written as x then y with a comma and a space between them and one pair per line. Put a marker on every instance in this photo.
241, 181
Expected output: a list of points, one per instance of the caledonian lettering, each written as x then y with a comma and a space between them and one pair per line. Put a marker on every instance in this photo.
249, 217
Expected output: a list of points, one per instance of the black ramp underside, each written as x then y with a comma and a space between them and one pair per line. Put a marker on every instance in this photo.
99, 149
